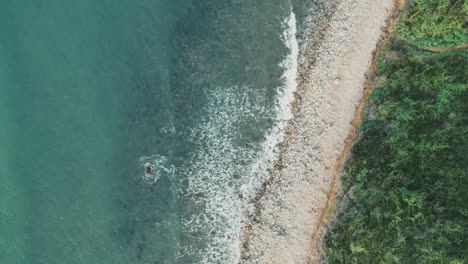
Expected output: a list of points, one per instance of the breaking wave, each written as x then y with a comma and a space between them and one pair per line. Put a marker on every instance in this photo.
230, 165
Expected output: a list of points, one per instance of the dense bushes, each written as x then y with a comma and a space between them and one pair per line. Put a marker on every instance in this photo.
408, 176
435, 23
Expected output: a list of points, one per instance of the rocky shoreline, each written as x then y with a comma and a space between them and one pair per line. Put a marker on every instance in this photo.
331, 80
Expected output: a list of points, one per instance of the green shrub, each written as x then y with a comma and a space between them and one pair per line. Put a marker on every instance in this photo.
408, 175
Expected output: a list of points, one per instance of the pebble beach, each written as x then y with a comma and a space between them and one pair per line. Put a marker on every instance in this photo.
290, 211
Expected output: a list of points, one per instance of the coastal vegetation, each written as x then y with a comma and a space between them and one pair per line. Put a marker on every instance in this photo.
405, 186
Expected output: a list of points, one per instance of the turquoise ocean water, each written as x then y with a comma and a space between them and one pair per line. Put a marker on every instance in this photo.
91, 90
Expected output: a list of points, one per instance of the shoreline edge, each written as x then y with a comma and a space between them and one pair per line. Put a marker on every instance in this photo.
292, 211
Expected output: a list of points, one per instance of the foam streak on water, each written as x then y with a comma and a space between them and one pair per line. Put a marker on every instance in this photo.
226, 172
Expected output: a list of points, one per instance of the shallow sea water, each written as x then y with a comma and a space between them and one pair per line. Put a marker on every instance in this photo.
90, 91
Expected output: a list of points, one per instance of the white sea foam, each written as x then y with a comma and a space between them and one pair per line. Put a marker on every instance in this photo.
226, 172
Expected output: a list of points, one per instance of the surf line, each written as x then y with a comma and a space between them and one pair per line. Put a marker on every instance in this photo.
271, 151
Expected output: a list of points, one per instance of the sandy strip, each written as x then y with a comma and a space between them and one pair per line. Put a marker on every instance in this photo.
290, 211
